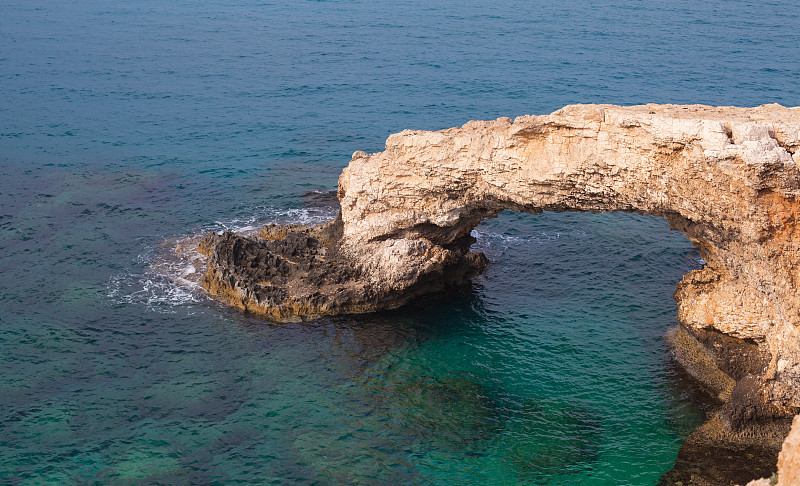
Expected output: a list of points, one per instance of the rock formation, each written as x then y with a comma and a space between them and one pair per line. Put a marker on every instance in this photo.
726, 177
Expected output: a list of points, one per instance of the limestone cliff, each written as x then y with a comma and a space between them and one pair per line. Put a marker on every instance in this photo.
726, 177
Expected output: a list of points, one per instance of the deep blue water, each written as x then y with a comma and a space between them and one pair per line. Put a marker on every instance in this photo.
125, 125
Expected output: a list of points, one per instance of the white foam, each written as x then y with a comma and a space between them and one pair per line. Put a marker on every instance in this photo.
262, 216
170, 282
154, 291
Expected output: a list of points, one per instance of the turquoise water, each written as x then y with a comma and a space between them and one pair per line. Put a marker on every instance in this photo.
126, 125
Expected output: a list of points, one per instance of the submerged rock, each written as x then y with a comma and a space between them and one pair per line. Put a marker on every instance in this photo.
550, 438
455, 412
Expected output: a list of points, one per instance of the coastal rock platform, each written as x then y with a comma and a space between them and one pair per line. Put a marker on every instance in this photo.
726, 177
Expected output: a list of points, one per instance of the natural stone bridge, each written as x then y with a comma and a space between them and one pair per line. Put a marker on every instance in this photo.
726, 177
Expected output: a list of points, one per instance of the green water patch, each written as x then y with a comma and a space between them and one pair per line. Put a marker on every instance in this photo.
146, 463
452, 412
192, 395
547, 438
421, 400
349, 457
79, 295
47, 424
37, 358
48, 477
8, 233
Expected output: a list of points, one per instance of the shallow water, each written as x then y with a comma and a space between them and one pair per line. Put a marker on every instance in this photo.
127, 124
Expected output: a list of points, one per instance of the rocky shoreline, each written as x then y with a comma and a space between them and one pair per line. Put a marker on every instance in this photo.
726, 177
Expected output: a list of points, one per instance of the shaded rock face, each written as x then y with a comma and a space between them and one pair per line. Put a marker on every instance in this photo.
726, 177
285, 272
788, 473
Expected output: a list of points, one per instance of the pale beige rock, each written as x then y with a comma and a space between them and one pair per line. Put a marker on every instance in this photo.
789, 458
727, 177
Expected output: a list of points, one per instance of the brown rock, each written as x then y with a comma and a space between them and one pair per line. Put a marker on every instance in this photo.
788, 461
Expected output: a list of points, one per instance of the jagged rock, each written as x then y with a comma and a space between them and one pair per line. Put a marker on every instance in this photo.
288, 271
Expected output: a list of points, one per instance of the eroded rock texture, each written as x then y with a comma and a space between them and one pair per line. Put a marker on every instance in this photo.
726, 177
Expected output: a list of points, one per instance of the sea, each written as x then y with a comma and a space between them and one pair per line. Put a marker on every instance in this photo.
128, 126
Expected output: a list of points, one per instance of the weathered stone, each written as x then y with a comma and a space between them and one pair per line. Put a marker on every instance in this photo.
789, 458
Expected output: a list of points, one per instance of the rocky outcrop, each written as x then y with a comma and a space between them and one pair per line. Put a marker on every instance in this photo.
726, 177
285, 272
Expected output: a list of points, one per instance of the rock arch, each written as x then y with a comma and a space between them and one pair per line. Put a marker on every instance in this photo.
726, 177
